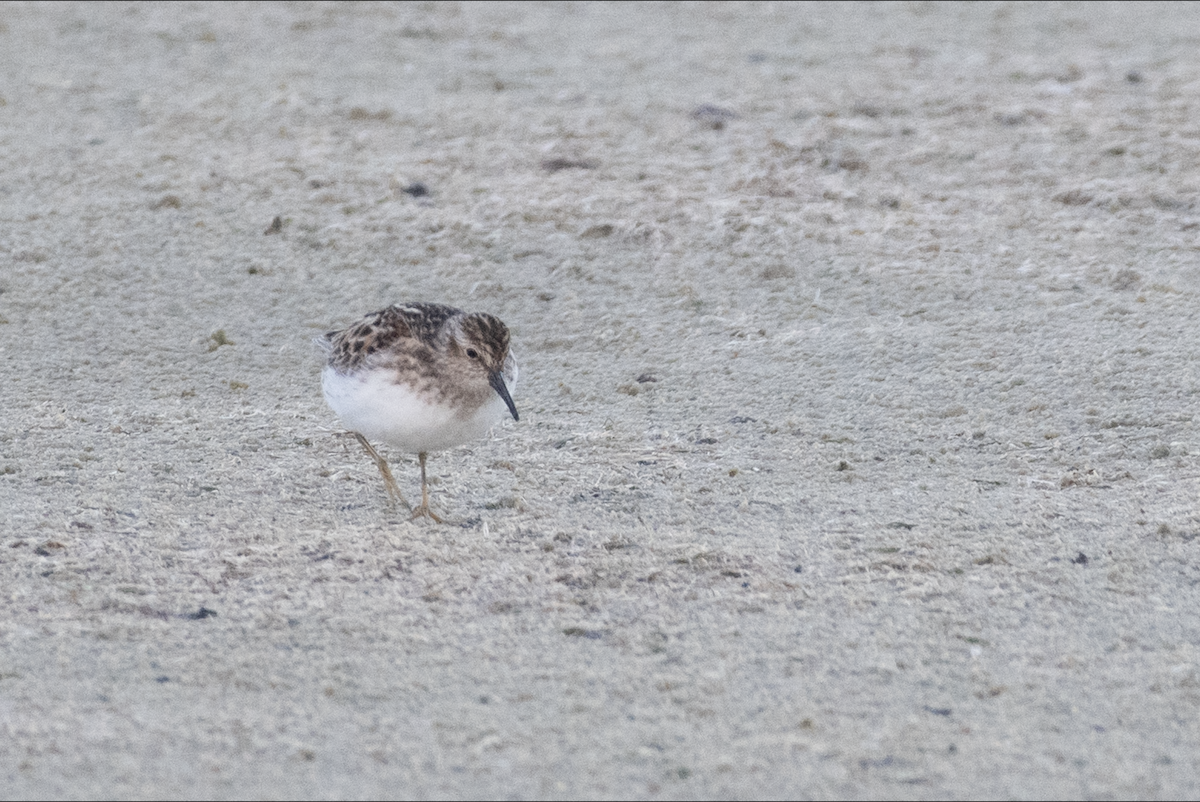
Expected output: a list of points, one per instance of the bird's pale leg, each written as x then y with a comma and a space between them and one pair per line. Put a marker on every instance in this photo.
424, 508
389, 482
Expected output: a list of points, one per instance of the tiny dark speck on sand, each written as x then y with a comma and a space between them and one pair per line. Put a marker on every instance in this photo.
580, 632
713, 117
555, 165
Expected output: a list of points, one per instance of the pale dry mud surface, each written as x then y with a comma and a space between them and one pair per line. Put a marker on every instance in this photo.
857, 458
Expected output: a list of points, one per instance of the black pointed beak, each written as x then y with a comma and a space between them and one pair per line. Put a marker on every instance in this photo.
496, 379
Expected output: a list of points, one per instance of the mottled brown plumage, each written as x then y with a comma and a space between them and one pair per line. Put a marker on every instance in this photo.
421, 322
424, 344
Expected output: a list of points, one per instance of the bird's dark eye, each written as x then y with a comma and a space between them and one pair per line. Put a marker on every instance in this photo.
471, 352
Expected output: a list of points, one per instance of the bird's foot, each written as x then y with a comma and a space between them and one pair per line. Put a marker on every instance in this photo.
423, 511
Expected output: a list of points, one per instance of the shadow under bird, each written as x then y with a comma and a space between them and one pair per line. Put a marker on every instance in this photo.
419, 377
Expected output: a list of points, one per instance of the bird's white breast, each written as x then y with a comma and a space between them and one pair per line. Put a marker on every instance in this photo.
373, 404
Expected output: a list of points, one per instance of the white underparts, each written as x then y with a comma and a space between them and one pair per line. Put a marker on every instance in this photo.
372, 404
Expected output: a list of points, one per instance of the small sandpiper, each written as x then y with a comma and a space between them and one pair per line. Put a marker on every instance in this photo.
419, 377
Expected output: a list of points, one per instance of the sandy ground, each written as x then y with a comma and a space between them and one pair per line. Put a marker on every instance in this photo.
859, 371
